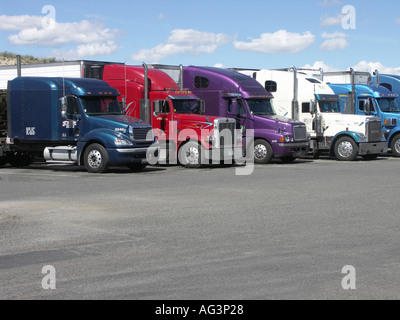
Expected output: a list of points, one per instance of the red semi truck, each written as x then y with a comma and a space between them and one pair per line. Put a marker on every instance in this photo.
177, 117
184, 132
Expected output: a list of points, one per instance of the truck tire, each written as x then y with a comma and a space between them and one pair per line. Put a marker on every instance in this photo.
20, 159
137, 167
96, 159
395, 146
191, 155
370, 156
346, 149
263, 152
288, 159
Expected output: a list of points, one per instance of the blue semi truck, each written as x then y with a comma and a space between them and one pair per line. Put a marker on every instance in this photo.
74, 121
371, 99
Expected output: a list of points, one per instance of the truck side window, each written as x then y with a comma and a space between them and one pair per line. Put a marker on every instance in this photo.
201, 82
164, 104
241, 107
72, 106
305, 107
271, 86
361, 105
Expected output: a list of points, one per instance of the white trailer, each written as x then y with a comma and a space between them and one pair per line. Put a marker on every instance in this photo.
66, 69
310, 100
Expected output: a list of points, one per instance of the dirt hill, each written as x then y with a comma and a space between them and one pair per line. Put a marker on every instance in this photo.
10, 59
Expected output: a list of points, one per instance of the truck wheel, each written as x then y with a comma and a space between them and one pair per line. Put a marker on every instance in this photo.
96, 159
137, 167
20, 159
191, 155
395, 146
263, 152
3, 161
288, 159
370, 156
346, 149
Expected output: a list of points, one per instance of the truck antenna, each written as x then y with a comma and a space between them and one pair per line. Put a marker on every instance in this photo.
63, 64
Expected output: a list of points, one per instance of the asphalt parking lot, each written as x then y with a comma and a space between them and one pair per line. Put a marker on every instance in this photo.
284, 232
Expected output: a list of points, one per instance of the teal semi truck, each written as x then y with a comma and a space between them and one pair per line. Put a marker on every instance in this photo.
74, 121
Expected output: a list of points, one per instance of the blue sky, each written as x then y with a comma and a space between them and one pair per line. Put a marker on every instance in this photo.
249, 34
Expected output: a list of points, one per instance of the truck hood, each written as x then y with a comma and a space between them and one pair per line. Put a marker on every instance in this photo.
336, 122
118, 123
276, 122
196, 121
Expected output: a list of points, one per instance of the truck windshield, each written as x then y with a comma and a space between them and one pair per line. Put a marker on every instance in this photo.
329, 106
389, 105
261, 107
186, 106
99, 106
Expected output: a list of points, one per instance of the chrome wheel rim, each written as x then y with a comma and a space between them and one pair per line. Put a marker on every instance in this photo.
94, 159
397, 146
260, 152
192, 155
345, 149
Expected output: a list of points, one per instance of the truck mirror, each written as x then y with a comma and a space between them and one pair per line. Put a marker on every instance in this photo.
202, 107
234, 108
313, 107
367, 106
157, 108
124, 104
64, 107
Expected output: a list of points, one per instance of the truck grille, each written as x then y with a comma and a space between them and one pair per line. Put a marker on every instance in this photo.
300, 133
141, 134
226, 132
373, 129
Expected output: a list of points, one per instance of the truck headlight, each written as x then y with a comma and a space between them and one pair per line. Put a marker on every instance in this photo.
130, 131
211, 140
390, 122
289, 139
120, 142
362, 137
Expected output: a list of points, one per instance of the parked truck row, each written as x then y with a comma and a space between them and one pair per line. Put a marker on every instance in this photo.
99, 114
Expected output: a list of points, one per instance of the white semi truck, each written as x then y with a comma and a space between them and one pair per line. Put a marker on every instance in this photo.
310, 100
66, 69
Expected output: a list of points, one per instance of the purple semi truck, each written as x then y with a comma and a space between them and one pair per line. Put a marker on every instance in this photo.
228, 93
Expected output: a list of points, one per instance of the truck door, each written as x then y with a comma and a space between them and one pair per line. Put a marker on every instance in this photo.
71, 126
162, 119
237, 109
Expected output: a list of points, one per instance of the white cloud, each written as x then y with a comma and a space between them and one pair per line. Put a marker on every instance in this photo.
281, 41
328, 3
91, 38
334, 41
372, 66
320, 65
83, 32
13, 23
334, 35
334, 44
363, 66
87, 50
219, 65
183, 41
332, 21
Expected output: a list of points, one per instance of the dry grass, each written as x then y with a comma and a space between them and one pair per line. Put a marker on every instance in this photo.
10, 59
